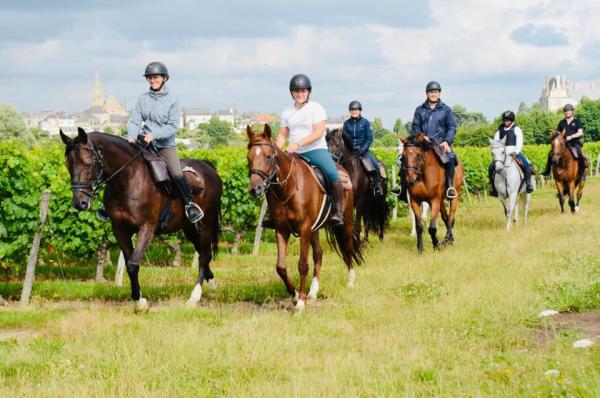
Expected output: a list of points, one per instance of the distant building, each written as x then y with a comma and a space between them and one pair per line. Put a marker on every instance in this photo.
190, 118
558, 91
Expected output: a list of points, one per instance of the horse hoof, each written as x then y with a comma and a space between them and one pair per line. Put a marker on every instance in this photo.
299, 306
195, 296
141, 306
212, 284
576, 209
314, 289
351, 278
296, 297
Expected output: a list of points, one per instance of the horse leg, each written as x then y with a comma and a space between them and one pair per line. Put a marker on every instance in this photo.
282, 243
317, 259
572, 196
145, 235
561, 198
305, 239
357, 220
435, 212
416, 208
446, 220
516, 210
201, 242
579, 193
526, 207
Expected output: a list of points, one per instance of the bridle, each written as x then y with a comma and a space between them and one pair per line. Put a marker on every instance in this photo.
563, 148
339, 157
419, 167
90, 188
273, 177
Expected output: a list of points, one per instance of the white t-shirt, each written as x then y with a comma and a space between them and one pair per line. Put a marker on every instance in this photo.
300, 123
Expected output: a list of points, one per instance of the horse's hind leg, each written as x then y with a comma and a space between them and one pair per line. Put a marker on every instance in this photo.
572, 196
527, 201
202, 244
450, 223
579, 193
317, 259
416, 208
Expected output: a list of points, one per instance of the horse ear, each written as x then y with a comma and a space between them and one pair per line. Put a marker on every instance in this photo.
267, 131
421, 138
249, 132
82, 135
402, 139
65, 138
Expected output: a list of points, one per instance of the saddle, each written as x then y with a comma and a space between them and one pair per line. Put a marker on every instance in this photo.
366, 163
324, 184
439, 152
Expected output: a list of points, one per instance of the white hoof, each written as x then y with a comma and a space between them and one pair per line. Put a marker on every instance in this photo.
576, 209
296, 297
299, 306
351, 278
212, 284
314, 289
195, 296
140, 306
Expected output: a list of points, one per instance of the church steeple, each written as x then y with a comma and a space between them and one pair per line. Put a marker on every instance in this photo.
97, 93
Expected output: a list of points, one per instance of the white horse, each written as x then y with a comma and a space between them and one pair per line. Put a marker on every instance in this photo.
424, 205
509, 183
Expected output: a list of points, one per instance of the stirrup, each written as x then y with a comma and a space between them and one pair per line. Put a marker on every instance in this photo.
188, 207
450, 193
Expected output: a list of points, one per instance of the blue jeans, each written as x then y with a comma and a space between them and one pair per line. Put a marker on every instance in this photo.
323, 159
524, 160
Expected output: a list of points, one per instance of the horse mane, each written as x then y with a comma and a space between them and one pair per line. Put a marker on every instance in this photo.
413, 140
113, 140
347, 141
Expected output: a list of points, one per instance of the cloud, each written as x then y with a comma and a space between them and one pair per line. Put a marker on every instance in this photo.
540, 36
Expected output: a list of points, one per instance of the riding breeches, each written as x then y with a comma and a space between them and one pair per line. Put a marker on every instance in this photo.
323, 159
169, 155
371, 157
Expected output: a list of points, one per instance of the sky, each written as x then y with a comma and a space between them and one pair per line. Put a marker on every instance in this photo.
488, 55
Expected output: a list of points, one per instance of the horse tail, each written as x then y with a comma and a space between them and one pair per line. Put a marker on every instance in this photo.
376, 213
338, 240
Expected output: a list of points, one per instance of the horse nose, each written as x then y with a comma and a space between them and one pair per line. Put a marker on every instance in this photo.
81, 204
256, 191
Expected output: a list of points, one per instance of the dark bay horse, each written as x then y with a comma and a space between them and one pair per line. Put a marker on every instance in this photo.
134, 203
565, 169
426, 176
371, 210
295, 201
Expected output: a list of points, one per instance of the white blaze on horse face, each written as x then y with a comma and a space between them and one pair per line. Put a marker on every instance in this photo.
257, 151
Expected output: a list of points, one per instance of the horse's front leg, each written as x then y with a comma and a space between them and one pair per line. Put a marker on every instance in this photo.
435, 212
145, 235
416, 209
572, 196
357, 223
512, 203
526, 208
305, 239
282, 243
561, 197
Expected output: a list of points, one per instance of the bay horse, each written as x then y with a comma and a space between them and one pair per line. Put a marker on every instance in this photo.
295, 202
565, 170
134, 203
371, 210
426, 176
509, 183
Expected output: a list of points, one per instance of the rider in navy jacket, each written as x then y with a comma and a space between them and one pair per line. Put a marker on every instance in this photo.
436, 120
358, 129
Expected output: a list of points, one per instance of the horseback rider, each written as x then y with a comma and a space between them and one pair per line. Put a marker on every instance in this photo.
513, 136
303, 123
436, 120
359, 129
156, 118
574, 139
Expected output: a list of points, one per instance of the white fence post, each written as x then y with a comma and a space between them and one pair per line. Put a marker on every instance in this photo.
395, 209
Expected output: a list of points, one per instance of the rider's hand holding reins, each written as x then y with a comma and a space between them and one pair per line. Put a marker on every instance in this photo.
148, 138
445, 146
292, 148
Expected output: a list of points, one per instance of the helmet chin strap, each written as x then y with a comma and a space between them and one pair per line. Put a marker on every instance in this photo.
161, 86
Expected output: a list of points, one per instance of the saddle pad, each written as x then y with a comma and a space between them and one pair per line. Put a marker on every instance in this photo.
194, 179
382, 170
520, 167
345, 178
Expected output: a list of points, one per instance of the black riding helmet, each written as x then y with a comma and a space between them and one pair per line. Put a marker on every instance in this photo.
300, 81
433, 85
355, 105
156, 68
568, 107
508, 115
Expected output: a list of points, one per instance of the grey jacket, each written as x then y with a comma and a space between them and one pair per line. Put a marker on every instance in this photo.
156, 113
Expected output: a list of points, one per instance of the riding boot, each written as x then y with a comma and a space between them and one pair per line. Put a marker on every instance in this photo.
582, 167
491, 173
337, 193
450, 191
192, 211
546, 172
400, 191
528, 179
376, 178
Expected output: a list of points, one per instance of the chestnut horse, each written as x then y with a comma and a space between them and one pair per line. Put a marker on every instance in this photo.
426, 177
134, 203
371, 210
295, 201
565, 169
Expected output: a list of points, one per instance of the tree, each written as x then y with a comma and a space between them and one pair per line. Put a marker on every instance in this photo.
378, 130
588, 112
219, 131
399, 127
12, 125
536, 125
523, 108
472, 134
462, 116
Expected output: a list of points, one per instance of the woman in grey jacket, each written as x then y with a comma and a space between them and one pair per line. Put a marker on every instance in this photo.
156, 117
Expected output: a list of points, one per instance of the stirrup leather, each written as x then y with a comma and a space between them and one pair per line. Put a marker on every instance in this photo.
191, 205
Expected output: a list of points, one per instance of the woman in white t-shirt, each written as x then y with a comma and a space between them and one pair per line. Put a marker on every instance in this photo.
304, 124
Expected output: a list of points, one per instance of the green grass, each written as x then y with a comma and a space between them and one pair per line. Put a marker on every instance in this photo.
461, 322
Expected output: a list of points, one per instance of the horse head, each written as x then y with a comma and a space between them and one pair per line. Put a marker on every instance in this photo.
413, 156
498, 148
558, 142
263, 160
337, 142
85, 168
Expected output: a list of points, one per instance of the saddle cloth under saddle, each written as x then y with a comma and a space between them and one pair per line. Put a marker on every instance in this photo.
321, 177
368, 166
